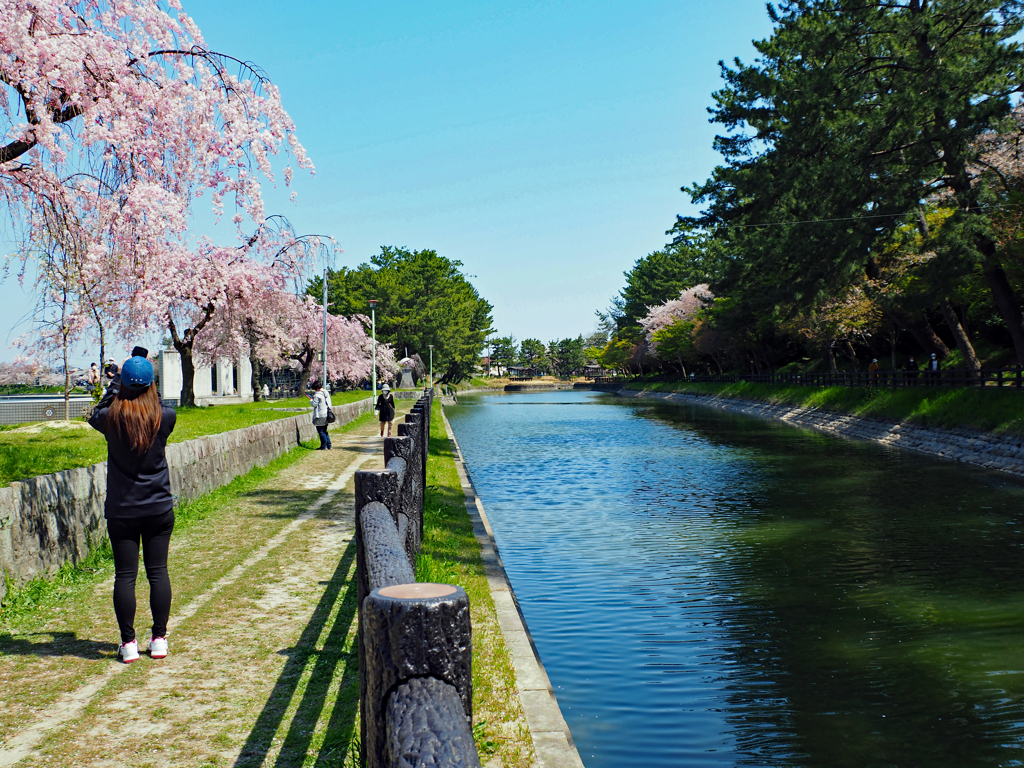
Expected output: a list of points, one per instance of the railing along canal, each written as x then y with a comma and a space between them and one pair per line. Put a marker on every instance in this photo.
950, 377
415, 648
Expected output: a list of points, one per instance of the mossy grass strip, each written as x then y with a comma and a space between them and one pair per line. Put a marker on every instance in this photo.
451, 555
988, 410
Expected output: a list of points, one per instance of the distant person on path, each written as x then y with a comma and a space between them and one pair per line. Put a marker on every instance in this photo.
93, 377
911, 369
320, 406
385, 408
933, 368
873, 370
110, 371
266, 392
139, 505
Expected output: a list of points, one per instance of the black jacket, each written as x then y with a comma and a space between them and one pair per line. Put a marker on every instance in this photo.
137, 486
385, 407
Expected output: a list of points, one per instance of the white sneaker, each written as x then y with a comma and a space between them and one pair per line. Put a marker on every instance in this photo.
128, 652
158, 647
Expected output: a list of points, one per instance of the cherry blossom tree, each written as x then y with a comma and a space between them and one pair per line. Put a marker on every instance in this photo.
131, 86
668, 327
349, 348
117, 114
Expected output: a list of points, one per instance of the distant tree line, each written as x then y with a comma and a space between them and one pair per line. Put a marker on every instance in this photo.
870, 201
423, 299
561, 357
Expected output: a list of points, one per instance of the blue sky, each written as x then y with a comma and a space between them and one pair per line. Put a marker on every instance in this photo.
541, 144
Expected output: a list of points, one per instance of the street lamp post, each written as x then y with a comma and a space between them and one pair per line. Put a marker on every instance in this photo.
373, 327
431, 365
324, 372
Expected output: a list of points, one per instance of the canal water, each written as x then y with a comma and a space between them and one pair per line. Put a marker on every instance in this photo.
708, 589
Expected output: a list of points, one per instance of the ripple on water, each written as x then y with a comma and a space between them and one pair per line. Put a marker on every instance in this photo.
707, 589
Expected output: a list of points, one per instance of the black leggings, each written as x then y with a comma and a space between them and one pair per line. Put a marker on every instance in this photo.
155, 534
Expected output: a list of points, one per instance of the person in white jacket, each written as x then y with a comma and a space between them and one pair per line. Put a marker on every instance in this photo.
320, 405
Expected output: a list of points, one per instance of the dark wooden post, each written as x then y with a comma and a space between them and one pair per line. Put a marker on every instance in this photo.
375, 489
413, 631
417, 430
402, 448
424, 718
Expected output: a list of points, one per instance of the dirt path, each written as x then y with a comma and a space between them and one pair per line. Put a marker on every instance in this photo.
261, 639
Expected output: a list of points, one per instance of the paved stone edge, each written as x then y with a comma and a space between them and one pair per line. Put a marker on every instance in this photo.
552, 740
1003, 453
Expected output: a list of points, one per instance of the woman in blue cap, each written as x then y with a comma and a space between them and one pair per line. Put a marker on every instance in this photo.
139, 506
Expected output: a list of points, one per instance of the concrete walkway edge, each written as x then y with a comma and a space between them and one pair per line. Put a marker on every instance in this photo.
552, 740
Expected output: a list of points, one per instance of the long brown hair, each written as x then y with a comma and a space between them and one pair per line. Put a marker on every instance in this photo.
135, 416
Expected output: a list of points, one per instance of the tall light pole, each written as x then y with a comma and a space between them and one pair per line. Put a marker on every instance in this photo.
431, 365
324, 353
373, 326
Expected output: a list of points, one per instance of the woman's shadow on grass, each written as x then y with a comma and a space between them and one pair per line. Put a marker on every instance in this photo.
58, 644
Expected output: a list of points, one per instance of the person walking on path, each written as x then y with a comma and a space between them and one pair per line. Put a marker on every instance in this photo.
320, 407
139, 505
385, 408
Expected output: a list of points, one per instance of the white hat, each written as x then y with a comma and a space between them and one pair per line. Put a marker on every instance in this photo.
385, 388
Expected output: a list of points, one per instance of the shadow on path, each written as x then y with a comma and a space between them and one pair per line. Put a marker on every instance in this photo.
60, 644
339, 593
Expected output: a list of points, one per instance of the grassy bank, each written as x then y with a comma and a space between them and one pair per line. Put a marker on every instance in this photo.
451, 555
991, 410
30, 450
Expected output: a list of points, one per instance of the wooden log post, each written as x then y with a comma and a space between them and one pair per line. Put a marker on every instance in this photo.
424, 721
402, 448
424, 416
413, 631
376, 529
414, 428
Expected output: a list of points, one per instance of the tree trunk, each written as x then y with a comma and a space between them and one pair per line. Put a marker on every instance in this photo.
922, 332
851, 355
67, 382
893, 338
254, 363
188, 375
962, 342
306, 361
830, 358
1006, 302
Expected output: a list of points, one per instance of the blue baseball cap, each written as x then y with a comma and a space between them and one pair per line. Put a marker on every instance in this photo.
137, 373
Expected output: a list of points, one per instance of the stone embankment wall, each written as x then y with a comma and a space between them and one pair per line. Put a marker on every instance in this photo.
49, 520
984, 449
544, 386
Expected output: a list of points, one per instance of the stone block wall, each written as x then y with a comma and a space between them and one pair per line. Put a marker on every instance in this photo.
49, 520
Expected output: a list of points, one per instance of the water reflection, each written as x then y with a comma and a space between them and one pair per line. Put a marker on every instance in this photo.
708, 589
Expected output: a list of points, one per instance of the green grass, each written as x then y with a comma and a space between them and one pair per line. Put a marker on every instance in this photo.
450, 554
990, 409
69, 581
54, 449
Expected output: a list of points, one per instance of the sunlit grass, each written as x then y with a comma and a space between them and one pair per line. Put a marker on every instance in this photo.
54, 448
